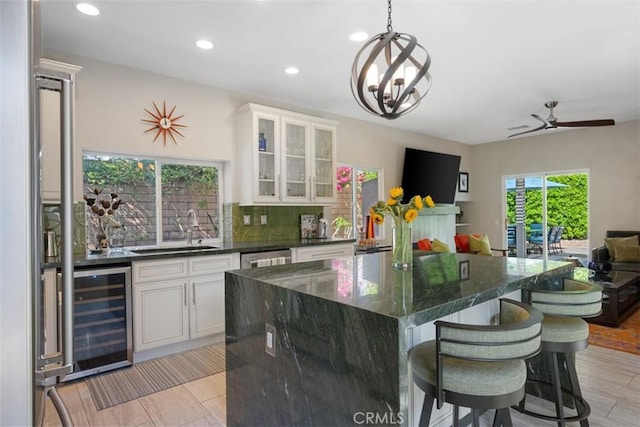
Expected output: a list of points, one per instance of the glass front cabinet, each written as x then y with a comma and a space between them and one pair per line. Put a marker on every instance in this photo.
285, 157
266, 175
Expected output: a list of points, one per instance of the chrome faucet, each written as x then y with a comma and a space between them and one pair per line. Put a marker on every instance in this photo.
191, 225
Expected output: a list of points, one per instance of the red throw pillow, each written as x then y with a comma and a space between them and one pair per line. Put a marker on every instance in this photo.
462, 242
424, 244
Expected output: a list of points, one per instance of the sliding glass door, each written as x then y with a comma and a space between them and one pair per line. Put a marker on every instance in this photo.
546, 215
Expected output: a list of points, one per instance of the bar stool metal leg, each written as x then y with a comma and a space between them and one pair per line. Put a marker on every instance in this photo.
577, 393
557, 388
427, 407
456, 416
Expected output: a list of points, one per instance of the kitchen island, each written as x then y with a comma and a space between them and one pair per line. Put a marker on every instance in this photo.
325, 343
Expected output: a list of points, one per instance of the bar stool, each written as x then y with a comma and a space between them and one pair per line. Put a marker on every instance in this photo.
478, 366
564, 332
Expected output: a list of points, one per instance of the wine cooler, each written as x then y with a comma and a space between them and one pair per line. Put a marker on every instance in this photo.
102, 333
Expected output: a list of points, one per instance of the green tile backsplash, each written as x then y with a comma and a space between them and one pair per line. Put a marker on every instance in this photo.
51, 220
283, 222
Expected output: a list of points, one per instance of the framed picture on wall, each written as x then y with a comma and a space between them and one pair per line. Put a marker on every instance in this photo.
463, 182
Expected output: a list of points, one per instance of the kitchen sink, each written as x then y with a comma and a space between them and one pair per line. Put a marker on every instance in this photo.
173, 250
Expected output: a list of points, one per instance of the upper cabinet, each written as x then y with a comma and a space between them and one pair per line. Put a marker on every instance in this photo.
285, 157
49, 101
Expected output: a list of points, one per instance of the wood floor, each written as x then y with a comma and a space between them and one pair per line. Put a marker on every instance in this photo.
610, 382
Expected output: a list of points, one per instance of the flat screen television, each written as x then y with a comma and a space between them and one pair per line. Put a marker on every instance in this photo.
428, 173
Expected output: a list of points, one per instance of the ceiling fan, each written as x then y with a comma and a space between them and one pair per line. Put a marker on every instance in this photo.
552, 123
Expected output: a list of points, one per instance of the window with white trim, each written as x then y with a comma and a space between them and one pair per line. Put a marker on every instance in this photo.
155, 198
358, 189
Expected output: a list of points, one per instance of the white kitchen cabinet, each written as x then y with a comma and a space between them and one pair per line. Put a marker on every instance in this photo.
159, 270
179, 299
207, 306
160, 314
285, 157
323, 163
320, 252
50, 132
295, 161
207, 292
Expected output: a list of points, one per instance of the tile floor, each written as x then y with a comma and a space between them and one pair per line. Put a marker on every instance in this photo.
610, 380
198, 403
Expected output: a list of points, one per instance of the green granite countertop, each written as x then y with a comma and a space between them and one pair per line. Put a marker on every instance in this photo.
439, 283
126, 255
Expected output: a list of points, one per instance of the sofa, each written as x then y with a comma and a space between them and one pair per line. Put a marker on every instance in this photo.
629, 260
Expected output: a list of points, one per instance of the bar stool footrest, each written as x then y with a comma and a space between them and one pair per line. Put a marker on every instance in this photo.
583, 409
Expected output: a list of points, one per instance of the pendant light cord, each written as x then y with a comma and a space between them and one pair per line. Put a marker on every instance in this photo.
389, 27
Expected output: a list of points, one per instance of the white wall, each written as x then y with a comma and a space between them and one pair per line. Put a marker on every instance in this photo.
110, 102
610, 154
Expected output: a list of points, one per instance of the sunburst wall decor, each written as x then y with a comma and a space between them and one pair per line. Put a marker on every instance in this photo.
164, 124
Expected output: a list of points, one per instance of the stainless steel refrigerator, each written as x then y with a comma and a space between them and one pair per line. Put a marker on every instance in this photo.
51, 366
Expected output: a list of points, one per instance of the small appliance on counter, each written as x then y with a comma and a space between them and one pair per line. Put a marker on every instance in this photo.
50, 244
308, 226
323, 224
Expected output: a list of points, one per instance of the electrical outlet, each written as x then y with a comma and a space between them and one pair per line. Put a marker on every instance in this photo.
263, 219
246, 220
270, 339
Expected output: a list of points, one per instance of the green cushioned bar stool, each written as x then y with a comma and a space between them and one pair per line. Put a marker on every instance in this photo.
564, 332
478, 366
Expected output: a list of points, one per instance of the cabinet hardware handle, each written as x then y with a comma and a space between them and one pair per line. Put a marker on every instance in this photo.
184, 286
277, 189
339, 253
193, 292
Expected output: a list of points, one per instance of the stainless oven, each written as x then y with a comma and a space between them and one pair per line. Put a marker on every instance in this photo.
102, 333
265, 259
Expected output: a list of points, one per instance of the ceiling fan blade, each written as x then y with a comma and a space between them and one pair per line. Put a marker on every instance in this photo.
529, 131
586, 123
545, 121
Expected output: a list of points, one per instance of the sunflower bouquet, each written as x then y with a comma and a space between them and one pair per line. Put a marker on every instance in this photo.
393, 206
403, 214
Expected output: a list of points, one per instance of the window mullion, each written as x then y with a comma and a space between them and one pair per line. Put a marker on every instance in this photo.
354, 203
159, 220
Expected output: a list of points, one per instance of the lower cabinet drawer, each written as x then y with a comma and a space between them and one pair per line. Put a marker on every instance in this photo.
315, 253
205, 265
163, 269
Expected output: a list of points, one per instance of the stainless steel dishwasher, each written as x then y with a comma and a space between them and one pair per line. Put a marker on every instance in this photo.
265, 259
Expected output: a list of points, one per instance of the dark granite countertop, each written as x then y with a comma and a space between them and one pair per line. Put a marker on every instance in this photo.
126, 255
433, 289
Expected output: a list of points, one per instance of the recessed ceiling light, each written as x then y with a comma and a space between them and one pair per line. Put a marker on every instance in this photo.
358, 36
204, 44
291, 70
87, 9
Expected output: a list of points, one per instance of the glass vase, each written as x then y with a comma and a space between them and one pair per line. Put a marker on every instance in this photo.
403, 286
116, 237
402, 250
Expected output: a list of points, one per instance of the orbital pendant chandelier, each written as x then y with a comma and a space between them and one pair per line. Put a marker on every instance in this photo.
404, 79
